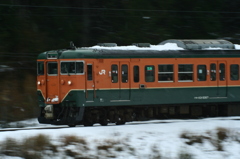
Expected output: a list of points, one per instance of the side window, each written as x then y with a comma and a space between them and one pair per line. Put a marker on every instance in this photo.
52, 68
202, 72
213, 72
89, 72
124, 73
114, 73
185, 73
234, 72
136, 73
149, 73
222, 72
165, 73
40, 68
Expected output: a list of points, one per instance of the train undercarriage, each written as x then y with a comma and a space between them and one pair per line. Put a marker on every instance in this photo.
88, 116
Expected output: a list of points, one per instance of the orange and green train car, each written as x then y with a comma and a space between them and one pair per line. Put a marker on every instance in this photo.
88, 86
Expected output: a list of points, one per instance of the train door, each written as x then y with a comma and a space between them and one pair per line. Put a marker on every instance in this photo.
90, 85
52, 81
218, 78
120, 83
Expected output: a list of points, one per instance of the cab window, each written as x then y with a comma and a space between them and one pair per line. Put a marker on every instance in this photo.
52, 68
72, 67
40, 68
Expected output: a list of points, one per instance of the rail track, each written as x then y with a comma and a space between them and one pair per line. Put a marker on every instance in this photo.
165, 121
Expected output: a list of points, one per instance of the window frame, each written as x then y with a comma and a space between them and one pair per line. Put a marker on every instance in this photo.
75, 64
40, 62
136, 72
145, 73
199, 73
232, 71
117, 73
50, 62
166, 73
186, 72
124, 74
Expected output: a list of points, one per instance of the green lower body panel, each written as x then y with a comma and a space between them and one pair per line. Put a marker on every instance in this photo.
160, 96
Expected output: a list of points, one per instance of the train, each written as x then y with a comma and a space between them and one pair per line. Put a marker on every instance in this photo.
107, 83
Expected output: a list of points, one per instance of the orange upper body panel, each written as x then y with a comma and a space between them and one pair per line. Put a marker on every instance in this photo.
58, 86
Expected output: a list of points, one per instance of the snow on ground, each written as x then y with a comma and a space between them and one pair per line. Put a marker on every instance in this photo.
144, 137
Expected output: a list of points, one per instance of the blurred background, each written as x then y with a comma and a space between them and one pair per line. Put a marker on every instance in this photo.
29, 27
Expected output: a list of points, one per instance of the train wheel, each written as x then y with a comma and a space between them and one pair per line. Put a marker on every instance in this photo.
104, 122
71, 125
120, 122
88, 123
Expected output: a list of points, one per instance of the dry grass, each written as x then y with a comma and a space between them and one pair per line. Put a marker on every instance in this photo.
216, 138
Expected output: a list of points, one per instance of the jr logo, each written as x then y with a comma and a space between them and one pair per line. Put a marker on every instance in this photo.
102, 72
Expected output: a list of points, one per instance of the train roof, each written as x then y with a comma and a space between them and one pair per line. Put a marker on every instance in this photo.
166, 49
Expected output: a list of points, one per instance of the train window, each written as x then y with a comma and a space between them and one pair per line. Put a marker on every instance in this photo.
222, 72
71, 67
234, 72
136, 73
165, 73
68, 67
40, 68
79, 67
124, 73
213, 72
185, 72
114, 73
202, 72
149, 73
52, 68
89, 72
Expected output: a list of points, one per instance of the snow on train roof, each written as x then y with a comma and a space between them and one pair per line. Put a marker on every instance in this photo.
168, 46
164, 47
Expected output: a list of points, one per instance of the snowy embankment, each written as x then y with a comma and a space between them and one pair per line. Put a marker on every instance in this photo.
212, 138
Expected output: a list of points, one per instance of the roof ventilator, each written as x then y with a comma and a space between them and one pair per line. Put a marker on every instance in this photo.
107, 44
192, 44
142, 44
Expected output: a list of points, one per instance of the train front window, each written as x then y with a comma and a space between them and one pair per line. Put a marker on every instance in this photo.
71, 67
52, 68
40, 68
79, 67
68, 67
